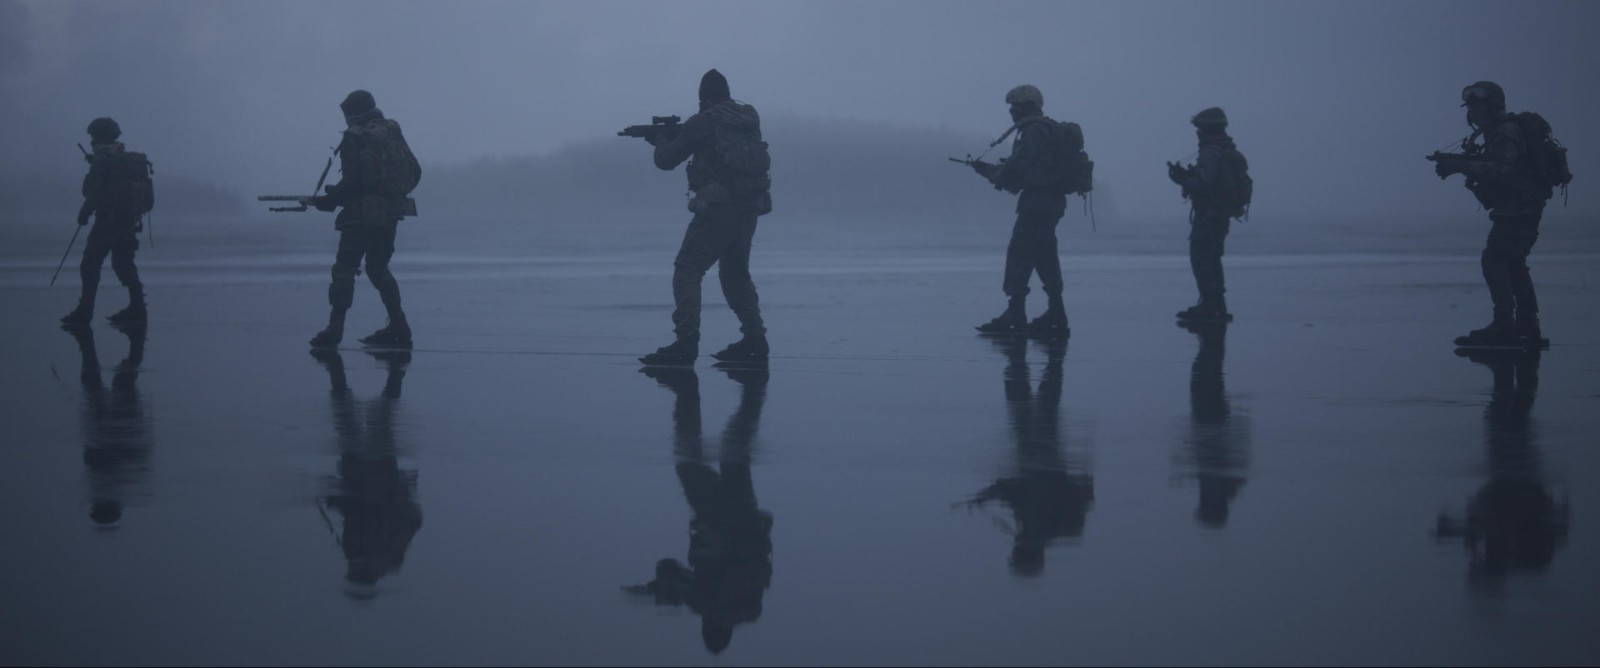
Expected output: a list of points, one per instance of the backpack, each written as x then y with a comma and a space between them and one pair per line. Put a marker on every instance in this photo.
395, 170
743, 161
132, 190
1544, 158
1234, 187
1072, 163
1070, 170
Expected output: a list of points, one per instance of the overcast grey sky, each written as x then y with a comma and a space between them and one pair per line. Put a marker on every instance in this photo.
1335, 103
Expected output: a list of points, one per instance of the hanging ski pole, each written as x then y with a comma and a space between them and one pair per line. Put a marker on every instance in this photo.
64, 255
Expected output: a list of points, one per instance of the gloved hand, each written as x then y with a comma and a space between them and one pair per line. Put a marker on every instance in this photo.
324, 203
1178, 173
983, 169
83, 214
1444, 168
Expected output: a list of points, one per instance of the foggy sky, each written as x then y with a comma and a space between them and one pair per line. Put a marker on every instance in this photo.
1335, 103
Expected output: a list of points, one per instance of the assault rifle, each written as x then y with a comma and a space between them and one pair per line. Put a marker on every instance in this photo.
660, 127
305, 201
1442, 157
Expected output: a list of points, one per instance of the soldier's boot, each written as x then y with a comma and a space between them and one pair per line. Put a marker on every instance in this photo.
681, 352
1197, 312
1013, 320
1500, 332
135, 312
1211, 307
331, 335
1532, 336
396, 334
751, 348
80, 316
1053, 322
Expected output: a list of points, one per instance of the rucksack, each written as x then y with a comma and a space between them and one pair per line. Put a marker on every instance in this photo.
395, 170
1544, 158
1072, 163
1069, 170
742, 161
132, 189
1234, 187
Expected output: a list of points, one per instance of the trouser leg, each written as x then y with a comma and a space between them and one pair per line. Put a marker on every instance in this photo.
122, 265
1033, 248
1019, 261
380, 249
1207, 238
1505, 268
695, 256
346, 265
1047, 258
733, 270
95, 250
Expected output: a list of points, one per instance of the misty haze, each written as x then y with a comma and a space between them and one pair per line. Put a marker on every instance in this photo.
885, 443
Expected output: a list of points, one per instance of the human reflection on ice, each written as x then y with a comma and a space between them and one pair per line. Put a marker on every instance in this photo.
374, 499
1513, 524
1216, 449
1049, 497
117, 441
730, 537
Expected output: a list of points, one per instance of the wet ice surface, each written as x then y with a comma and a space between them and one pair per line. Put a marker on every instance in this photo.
916, 493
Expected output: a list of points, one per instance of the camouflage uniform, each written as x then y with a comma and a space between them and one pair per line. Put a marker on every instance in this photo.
368, 222
1515, 214
1208, 225
1033, 237
115, 233
724, 223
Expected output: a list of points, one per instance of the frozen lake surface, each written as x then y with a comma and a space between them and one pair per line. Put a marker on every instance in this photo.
1323, 481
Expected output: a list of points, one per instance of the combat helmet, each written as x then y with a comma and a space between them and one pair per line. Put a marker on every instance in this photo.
1210, 118
103, 130
1485, 90
1025, 94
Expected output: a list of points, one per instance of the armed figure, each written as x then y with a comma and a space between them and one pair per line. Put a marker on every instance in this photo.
729, 176
379, 172
1047, 163
1513, 173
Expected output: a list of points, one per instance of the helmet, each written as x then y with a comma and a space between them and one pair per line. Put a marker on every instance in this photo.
1485, 90
1025, 94
1213, 117
104, 130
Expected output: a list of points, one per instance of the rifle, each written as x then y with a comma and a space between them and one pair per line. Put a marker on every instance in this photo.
1441, 156
660, 127
305, 201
